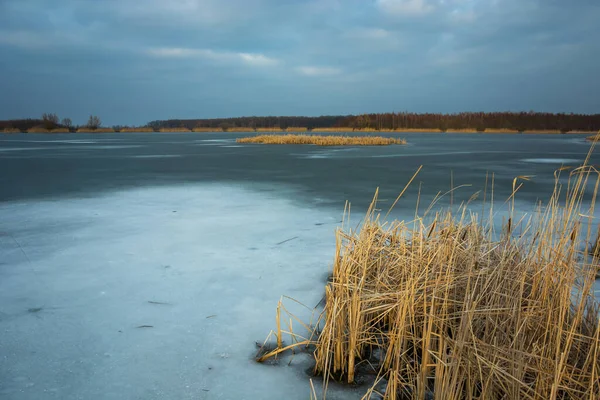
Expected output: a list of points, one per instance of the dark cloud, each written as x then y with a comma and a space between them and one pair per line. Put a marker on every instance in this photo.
132, 61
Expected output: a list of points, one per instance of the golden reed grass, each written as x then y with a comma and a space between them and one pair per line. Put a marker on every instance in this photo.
416, 130
99, 130
322, 140
207, 130
484, 131
11, 130
337, 129
174, 130
140, 129
450, 309
543, 131
240, 129
593, 138
37, 129
274, 129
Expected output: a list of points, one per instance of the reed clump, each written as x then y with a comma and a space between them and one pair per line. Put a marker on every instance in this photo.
593, 138
273, 129
203, 129
174, 130
240, 129
451, 310
38, 129
137, 130
417, 130
98, 130
543, 131
322, 140
333, 129
11, 130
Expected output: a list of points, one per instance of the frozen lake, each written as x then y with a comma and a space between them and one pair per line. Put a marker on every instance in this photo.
145, 266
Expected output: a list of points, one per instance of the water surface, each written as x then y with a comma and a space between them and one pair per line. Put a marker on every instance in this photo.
41, 166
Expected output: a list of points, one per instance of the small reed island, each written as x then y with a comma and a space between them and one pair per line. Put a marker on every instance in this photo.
322, 140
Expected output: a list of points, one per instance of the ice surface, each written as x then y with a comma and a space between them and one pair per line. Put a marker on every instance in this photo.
72, 141
156, 293
214, 142
557, 161
76, 146
158, 156
21, 148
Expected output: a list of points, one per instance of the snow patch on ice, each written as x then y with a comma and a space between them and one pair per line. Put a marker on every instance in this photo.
329, 153
217, 141
156, 293
318, 155
551, 160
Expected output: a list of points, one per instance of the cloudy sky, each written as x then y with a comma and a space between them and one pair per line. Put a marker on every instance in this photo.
132, 61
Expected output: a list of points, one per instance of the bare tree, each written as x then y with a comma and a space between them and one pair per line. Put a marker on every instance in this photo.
50, 120
225, 126
50, 117
94, 122
67, 123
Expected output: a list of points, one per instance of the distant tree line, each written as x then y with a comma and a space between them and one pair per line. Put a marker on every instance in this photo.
49, 121
250, 122
520, 121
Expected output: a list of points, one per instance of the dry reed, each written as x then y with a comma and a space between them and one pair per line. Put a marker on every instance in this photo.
336, 129
37, 129
240, 129
416, 130
451, 310
593, 138
543, 131
11, 130
199, 129
273, 129
137, 130
99, 130
174, 130
322, 140
501, 130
